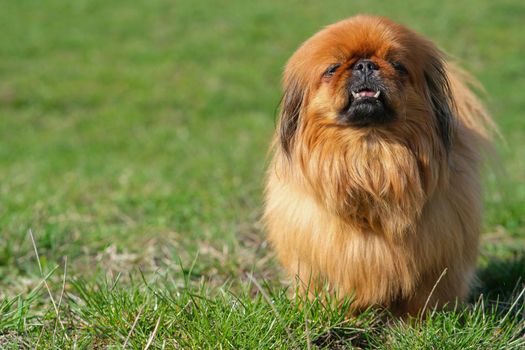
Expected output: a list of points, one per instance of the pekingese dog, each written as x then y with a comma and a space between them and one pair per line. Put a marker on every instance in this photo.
374, 187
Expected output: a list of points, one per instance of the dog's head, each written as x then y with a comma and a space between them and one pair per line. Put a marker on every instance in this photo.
366, 74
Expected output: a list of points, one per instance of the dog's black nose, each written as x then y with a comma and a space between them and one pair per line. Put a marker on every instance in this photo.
365, 67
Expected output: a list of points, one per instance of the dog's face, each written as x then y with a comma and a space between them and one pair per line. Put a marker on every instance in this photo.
363, 74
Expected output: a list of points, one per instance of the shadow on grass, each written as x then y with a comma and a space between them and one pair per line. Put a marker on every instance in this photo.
501, 279
341, 338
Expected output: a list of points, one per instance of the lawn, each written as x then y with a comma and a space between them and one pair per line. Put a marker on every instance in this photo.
133, 143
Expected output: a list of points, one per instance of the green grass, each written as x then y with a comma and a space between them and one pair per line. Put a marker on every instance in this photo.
133, 140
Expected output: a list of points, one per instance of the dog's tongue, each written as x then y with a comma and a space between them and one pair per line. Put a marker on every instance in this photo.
367, 93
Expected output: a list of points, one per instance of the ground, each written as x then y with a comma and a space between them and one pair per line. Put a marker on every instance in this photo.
133, 143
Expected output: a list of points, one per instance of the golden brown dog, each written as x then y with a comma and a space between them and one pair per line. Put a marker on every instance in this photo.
374, 186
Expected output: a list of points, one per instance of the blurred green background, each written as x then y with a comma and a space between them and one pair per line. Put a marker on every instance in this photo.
136, 133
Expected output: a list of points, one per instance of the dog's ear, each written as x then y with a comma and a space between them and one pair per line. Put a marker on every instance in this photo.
291, 106
440, 98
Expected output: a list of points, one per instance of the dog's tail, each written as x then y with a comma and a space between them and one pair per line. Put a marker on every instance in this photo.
470, 110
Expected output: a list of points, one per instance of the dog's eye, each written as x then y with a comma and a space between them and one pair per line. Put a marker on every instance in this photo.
330, 71
399, 67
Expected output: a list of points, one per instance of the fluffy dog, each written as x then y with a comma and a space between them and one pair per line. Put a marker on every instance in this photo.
374, 188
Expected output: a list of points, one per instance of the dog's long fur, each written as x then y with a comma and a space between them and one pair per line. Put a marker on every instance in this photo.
379, 212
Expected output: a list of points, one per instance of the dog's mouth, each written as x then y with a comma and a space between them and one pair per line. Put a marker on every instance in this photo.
365, 93
367, 105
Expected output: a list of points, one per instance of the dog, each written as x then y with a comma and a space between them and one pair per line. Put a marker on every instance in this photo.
373, 189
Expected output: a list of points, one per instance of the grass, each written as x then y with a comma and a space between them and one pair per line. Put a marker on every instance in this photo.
133, 139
